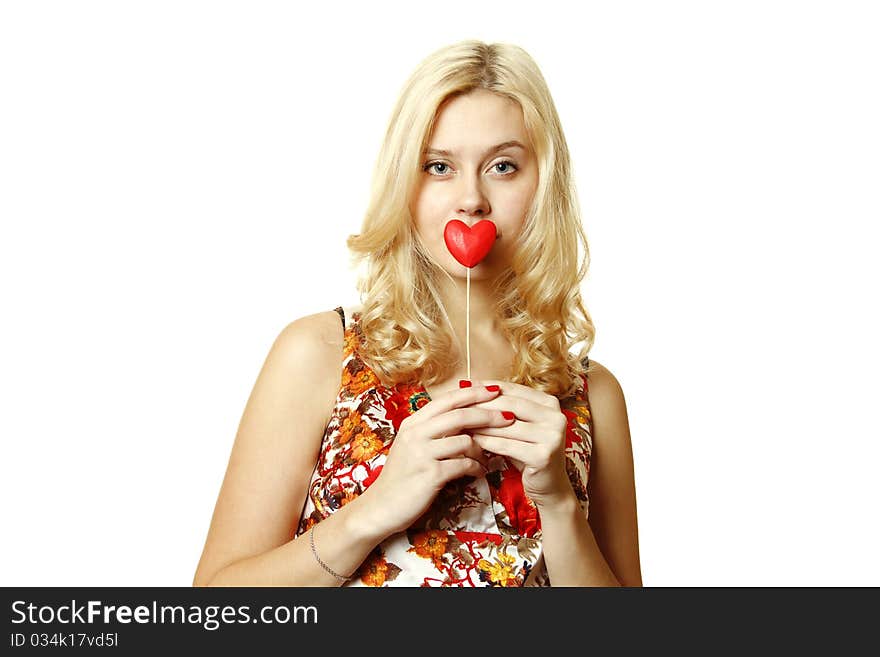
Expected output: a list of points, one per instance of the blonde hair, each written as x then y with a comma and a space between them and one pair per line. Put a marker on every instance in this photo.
407, 334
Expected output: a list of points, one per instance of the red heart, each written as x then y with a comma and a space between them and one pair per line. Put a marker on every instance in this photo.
469, 245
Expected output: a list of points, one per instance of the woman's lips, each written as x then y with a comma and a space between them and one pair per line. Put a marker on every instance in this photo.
470, 244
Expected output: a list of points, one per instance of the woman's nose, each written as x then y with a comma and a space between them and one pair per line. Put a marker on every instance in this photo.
473, 205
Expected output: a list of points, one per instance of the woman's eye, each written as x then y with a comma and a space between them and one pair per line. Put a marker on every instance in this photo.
505, 163
429, 165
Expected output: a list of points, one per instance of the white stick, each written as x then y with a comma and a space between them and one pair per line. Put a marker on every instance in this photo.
468, 323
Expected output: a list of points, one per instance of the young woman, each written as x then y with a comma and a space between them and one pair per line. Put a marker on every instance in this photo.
366, 456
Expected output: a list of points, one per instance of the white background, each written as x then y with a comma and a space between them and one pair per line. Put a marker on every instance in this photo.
177, 180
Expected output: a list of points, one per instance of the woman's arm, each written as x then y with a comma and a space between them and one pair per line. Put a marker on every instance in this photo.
603, 551
342, 540
250, 541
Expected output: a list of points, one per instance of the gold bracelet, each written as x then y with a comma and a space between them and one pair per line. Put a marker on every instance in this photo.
323, 565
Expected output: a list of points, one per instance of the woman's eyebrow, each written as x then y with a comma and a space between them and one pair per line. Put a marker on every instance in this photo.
512, 143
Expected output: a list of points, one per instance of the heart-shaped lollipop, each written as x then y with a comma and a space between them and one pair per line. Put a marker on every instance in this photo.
469, 245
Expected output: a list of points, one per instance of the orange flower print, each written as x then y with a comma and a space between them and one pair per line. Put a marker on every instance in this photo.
375, 570
500, 573
582, 414
430, 544
365, 447
351, 424
348, 343
356, 377
578, 416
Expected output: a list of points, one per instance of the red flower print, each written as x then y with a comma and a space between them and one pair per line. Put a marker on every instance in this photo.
374, 474
521, 513
570, 436
397, 407
464, 536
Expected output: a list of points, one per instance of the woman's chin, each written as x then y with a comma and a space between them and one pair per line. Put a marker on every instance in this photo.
481, 271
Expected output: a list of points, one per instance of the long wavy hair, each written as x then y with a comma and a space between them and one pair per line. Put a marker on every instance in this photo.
406, 330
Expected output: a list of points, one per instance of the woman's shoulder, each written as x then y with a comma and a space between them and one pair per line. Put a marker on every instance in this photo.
603, 385
322, 328
607, 404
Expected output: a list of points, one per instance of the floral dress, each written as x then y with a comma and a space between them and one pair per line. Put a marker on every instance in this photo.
477, 532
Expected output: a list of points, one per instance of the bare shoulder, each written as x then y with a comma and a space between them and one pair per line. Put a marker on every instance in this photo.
607, 406
603, 390
309, 331
309, 349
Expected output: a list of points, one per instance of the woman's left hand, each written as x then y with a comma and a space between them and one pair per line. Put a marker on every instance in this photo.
535, 442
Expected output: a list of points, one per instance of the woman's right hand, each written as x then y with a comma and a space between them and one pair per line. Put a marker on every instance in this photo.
429, 450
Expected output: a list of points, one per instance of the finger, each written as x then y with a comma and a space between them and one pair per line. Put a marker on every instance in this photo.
454, 399
458, 419
515, 449
459, 467
475, 452
452, 446
520, 391
524, 409
516, 430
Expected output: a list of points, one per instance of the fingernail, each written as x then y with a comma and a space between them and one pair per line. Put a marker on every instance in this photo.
508, 415
464, 383
493, 388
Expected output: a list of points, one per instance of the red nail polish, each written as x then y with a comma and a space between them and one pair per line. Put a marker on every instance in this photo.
493, 388
464, 383
508, 415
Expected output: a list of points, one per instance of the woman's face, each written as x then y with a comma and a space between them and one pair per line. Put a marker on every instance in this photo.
472, 180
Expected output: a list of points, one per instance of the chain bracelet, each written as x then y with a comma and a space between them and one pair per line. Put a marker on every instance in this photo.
323, 565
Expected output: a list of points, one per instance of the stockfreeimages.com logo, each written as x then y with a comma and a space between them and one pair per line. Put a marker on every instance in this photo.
210, 616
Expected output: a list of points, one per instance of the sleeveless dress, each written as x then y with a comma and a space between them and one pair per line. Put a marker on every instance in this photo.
477, 532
